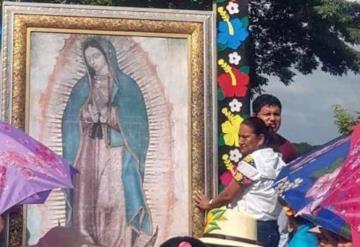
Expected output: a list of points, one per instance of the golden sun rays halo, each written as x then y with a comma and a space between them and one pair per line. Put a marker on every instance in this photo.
133, 61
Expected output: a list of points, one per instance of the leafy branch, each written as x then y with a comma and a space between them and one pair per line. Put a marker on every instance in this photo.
344, 120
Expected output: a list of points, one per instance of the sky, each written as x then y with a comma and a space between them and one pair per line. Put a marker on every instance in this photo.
307, 114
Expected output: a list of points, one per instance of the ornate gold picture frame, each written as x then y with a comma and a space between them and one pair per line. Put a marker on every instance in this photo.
166, 58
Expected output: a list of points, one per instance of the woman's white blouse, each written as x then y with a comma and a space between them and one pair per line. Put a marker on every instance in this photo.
259, 199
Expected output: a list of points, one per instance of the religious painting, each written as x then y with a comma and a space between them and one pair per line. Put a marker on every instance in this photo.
128, 101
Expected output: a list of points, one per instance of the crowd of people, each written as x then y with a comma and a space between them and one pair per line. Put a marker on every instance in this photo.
265, 153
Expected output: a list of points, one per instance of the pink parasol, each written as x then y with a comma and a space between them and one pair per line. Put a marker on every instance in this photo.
344, 198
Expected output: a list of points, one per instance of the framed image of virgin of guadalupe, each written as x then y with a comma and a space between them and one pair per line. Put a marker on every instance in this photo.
126, 96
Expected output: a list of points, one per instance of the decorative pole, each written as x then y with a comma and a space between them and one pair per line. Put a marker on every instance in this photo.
232, 80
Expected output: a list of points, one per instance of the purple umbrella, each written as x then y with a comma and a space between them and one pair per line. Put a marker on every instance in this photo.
28, 169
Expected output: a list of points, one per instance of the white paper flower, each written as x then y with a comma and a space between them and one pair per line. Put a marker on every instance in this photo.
235, 155
233, 8
283, 188
234, 58
298, 181
279, 188
235, 105
287, 185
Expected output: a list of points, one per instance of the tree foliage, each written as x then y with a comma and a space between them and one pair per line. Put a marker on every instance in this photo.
302, 35
344, 121
303, 148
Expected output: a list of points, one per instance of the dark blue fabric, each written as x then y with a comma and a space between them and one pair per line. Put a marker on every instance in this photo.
268, 233
307, 170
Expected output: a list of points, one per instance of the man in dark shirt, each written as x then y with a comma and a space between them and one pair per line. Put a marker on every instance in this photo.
268, 108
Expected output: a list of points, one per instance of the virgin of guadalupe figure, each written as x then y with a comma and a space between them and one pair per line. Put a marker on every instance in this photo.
105, 135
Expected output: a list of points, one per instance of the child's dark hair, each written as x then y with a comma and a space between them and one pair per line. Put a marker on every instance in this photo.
184, 240
263, 100
259, 127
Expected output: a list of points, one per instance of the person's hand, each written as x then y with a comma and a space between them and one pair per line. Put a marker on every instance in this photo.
93, 112
201, 200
